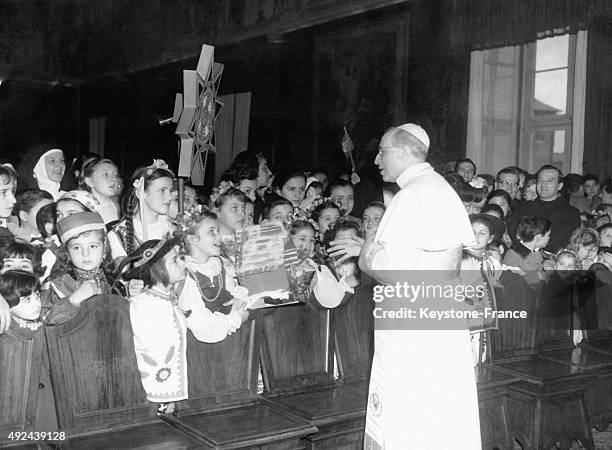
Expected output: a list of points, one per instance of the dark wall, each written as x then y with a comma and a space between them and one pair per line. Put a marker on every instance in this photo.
278, 75
32, 113
295, 117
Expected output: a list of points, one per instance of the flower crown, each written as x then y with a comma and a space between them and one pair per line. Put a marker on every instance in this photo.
157, 164
188, 221
218, 191
299, 215
318, 202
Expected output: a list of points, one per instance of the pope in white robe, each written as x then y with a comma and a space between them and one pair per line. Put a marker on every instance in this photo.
422, 388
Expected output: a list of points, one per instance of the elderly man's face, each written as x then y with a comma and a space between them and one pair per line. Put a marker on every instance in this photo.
389, 159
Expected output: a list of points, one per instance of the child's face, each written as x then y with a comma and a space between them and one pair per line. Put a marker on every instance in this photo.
232, 216
281, 213
344, 197
207, 238
322, 179
541, 240
7, 198
28, 307
314, 191
566, 266
249, 187
189, 198
103, 180
326, 218
17, 263
294, 189
346, 234
502, 203
250, 214
30, 217
346, 268
371, 219
304, 240
591, 188
605, 237
158, 195
586, 252
482, 235
174, 262
67, 208
86, 251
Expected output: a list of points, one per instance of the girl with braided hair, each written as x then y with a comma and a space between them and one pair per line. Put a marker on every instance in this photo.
145, 210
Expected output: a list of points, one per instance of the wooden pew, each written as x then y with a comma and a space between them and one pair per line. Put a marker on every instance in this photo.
21, 352
599, 395
297, 363
99, 398
547, 405
353, 325
223, 407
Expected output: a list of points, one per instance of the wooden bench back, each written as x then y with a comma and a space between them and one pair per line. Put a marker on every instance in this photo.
21, 352
297, 352
514, 337
94, 372
353, 325
223, 373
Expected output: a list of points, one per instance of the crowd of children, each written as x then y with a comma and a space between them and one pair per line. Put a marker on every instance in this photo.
58, 249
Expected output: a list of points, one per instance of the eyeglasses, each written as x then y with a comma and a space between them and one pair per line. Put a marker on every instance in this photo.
380, 149
508, 183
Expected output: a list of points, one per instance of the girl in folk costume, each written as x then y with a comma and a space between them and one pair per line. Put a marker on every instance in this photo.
481, 267
229, 204
82, 269
160, 321
210, 290
100, 177
145, 210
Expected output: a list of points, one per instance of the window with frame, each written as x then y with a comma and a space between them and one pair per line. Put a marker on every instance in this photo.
526, 105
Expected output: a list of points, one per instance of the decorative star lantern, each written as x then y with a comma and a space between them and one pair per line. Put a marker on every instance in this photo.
195, 112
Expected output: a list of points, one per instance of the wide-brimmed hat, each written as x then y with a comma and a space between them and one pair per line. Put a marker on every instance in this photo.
75, 224
145, 256
499, 227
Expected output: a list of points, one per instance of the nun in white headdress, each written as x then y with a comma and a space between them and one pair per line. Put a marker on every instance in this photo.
43, 167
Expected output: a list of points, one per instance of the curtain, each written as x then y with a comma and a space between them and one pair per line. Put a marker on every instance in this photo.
483, 24
598, 105
231, 130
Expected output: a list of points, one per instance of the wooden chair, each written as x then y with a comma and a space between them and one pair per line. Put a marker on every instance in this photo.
297, 363
353, 325
223, 407
99, 398
21, 352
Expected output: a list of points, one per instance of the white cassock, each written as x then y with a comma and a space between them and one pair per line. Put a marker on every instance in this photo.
423, 386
